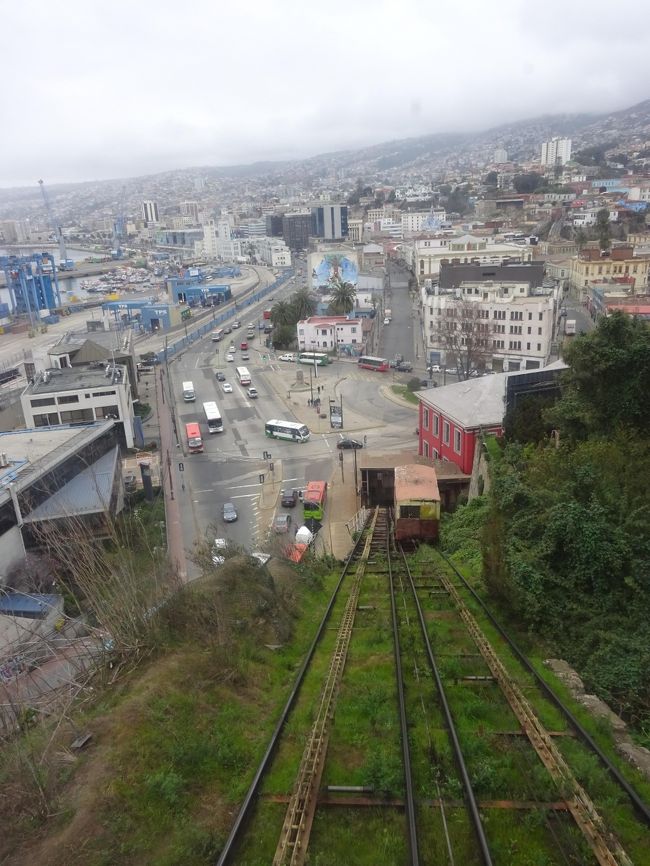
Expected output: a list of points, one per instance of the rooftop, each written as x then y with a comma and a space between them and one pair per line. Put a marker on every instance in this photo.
416, 482
54, 380
476, 402
328, 320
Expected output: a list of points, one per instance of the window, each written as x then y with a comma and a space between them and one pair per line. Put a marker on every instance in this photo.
107, 412
412, 511
528, 347
425, 420
72, 398
541, 317
457, 439
50, 419
436, 425
436, 454
104, 393
42, 401
539, 347
445, 432
77, 416
530, 316
426, 449
530, 330
539, 332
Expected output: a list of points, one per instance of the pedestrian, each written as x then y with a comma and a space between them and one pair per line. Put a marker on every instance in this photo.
365, 440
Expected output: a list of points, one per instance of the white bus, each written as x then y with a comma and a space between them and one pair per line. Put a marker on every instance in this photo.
217, 335
213, 417
243, 376
291, 430
188, 392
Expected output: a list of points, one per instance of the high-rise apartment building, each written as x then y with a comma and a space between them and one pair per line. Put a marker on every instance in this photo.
190, 209
329, 222
557, 151
500, 155
150, 211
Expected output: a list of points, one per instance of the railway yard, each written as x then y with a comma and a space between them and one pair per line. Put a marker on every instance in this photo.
417, 732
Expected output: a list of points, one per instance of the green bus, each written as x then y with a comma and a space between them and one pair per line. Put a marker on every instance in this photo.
316, 359
313, 500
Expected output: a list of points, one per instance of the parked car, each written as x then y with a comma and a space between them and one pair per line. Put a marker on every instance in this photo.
424, 383
236, 324
289, 498
287, 357
282, 523
404, 367
227, 388
349, 443
218, 549
434, 368
230, 357
229, 512
221, 377
252, 393
386, 321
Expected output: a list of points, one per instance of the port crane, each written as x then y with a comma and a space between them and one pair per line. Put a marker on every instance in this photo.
65, 264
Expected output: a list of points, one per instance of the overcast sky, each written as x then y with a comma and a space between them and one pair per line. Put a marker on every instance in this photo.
92, 89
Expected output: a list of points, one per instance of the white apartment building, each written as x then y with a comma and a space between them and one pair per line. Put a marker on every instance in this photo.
80, 395
272, 251
190, 209
329, 333
557, 151
589, 216
519, 324
217, 241
355, 230
500, 155
150, 211
424, 255
412, 223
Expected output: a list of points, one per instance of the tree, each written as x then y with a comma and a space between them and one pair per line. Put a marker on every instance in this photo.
282, 313
343, 298
603, 228
581, 238
607, 383
303, 304
465, 336
527, 183
284, 336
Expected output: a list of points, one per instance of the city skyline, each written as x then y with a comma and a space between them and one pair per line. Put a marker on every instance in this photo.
127, 93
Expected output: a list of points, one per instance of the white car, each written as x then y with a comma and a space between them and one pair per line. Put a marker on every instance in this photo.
387, 321
218, 549
287, 357
434, 368
227, 388
230, 357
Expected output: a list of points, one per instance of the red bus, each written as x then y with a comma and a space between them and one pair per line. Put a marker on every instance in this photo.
313, 500
380, 365
194, 441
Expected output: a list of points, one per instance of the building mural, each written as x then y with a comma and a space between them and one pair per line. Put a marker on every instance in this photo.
327, 269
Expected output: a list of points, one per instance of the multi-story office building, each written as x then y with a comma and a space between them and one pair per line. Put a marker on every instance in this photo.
621, 265
420, 221
330, 222
272, 251
150, 211
424, 255
511, 326
500, 156
273, 226
80, 395
557, 151
296, 230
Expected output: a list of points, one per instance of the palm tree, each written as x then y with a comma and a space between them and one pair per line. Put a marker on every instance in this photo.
343, 298
303, 304
282, 313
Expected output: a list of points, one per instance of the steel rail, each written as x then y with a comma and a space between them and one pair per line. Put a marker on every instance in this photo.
606, 848
472, 804
411, 819
296, 828
245, 808
640, 806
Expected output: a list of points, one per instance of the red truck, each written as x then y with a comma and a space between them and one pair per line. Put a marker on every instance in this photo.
266, 314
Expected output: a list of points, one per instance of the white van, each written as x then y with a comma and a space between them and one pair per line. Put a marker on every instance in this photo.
188, 392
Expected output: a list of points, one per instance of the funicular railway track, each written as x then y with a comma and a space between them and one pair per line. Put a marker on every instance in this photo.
400, 640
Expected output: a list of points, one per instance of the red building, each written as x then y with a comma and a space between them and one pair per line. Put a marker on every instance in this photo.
451, 418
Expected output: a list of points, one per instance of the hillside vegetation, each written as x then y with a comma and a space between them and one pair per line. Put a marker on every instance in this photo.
564, 535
